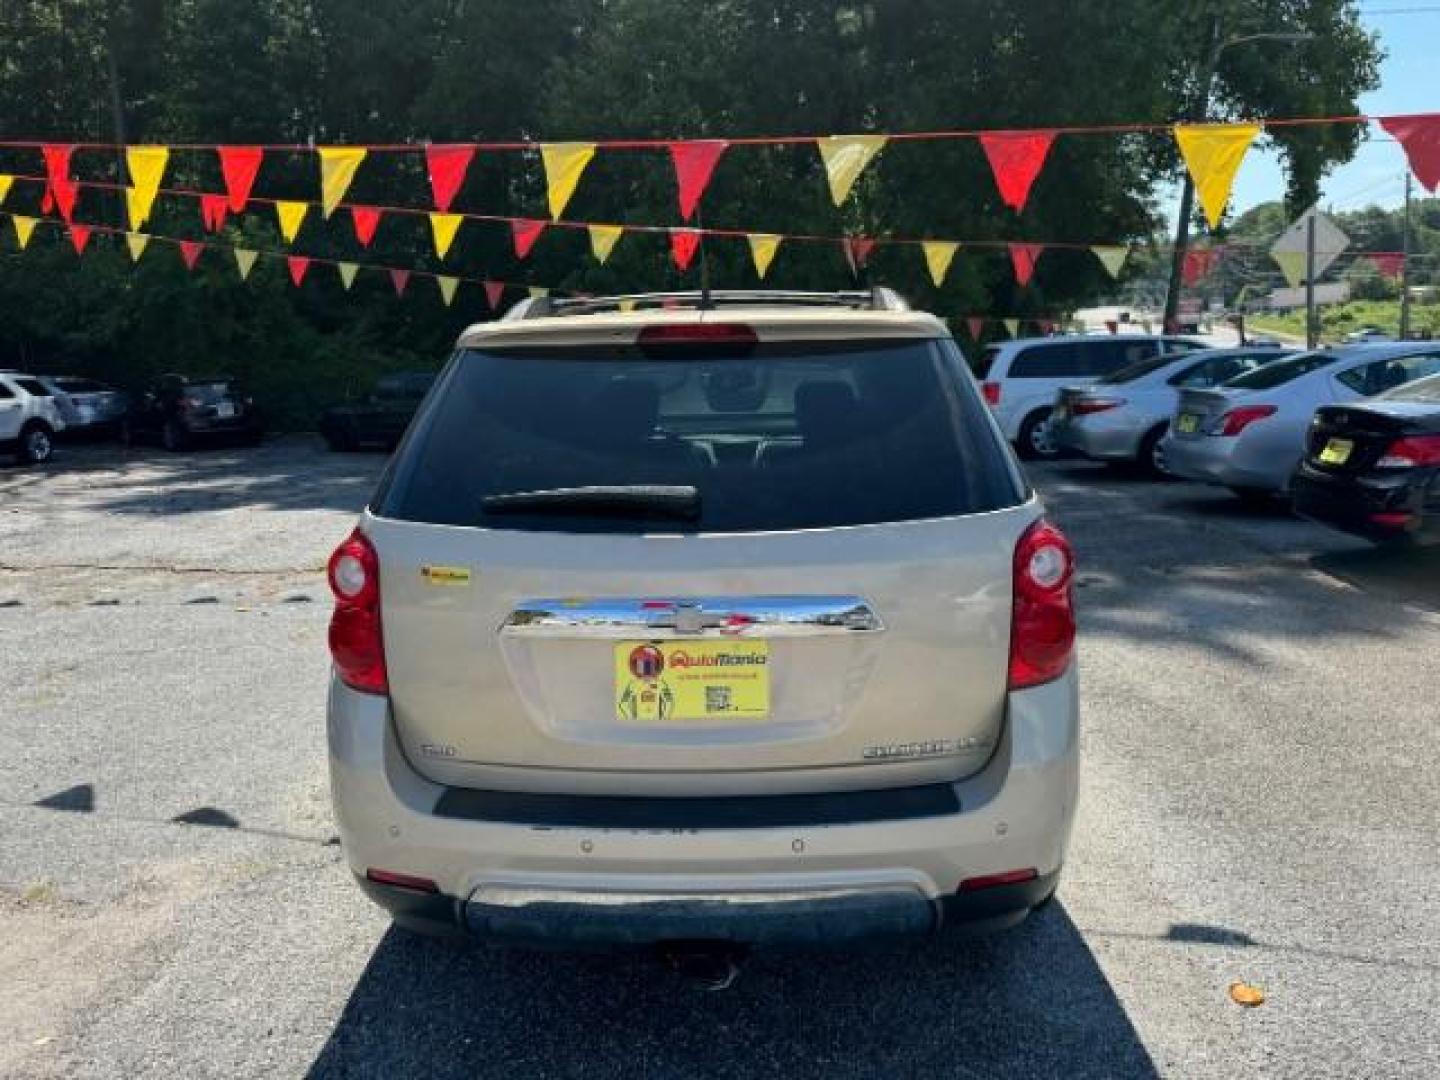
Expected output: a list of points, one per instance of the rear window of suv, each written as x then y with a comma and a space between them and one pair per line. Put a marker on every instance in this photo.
787, 435
1080, 358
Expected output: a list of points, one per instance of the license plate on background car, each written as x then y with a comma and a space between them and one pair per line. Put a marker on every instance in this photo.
679, 682
224, 410
1061, 412
1188, 423
1336, 452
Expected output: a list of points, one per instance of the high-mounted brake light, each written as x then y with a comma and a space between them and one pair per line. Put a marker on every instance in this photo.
1042, 625
356, 642
991, 390
1411, 453
1237, 420
698, 334
1087, 406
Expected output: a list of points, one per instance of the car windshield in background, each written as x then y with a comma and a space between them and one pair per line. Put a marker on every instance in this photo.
1279, 373
1426, 390
777, 436
1141, 368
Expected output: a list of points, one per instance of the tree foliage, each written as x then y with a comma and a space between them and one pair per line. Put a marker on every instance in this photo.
400, 71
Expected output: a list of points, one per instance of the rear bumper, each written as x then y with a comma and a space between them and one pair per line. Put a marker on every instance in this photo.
1213, 459
800, 883
1350, 503
1100, 437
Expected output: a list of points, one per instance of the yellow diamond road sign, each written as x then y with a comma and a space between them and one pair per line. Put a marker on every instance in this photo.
1330, 242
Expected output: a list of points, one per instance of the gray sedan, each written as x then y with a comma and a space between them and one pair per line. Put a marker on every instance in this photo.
87, 405
1123, 416
1249, 434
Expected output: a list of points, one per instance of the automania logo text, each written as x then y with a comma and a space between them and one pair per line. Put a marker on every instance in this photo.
685, 660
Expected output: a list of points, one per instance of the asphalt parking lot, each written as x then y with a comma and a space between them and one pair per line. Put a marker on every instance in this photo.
1261, 803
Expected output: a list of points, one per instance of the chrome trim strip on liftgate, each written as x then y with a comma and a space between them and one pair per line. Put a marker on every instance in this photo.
699, 616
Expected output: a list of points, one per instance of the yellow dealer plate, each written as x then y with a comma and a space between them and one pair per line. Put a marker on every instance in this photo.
1337, 452
1188, 423
679, 682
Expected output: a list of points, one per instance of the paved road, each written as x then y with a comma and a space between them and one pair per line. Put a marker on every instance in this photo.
1260, 803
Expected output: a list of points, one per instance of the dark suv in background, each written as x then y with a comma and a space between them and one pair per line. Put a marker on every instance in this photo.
180, 410
381, 417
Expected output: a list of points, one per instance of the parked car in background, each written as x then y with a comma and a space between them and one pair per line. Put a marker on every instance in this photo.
1123, 416
1020, 378
1373, 468
1250, 433
1367, 335
381, 417
180, 410
746, 593
29, 418
89, 407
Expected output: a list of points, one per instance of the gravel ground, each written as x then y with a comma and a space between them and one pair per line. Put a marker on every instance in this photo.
1260, 804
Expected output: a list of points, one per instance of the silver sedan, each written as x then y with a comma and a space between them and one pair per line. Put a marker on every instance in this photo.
1123, 416
1249, 434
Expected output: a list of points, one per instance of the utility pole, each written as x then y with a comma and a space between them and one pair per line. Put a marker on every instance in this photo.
1405, 267
1312, 329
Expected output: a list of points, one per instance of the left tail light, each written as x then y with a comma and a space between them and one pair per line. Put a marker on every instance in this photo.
1042, 623
357, 644
991, 390
1086, 406
1411, 453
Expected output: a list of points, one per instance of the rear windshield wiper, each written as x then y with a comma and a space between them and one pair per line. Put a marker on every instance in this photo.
621, 500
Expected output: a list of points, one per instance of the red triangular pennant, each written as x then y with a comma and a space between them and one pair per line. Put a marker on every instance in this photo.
213, 209
683, 245
66, 191
1419, 134
57, 161
399, 278
494, 293
447, 165
239, 164
79, 237
857, 251
1023, 258
976, 325
1198, 262
47, 201
298, 265
1016, 158
525, 232
190, 252
366, 219
1389, 263
694, 164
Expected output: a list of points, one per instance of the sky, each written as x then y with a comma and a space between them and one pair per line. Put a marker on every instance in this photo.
1410, 34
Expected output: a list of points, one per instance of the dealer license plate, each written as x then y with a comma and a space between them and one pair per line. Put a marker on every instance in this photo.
1336, 452
700, 681
1187, 424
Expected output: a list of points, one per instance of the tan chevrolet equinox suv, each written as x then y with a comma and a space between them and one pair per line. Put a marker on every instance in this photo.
722, 617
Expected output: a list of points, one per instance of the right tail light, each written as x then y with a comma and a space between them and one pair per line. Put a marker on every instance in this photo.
1042, 624
356, 643
1237, 420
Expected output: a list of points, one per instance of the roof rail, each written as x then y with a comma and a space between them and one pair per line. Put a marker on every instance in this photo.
875, 299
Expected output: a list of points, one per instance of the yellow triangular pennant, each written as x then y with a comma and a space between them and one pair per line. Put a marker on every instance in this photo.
24, 226
603, 239
347, 273
1292, 264
245, 261
564, 162
845, 158
291, 214
1112, 257
5, 181
1213, 153
1012, 327
136, 242
443, 228
938, 256
762, 249
448, 285
147, 168
337, 169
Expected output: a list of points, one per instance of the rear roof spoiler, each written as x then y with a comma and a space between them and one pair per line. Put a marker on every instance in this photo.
539, 307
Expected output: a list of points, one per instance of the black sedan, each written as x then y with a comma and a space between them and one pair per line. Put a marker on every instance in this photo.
1373, 468
381, 417
179, 411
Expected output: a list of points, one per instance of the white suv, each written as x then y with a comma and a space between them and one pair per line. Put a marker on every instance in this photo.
708, 619
1021, 378
29, 418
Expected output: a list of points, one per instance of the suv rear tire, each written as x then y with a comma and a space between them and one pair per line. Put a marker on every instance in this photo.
37, 443
1035, 443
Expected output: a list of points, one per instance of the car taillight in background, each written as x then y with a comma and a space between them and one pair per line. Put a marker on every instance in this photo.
991, 390
1087, 406
1237, 420
1042, 627
1411, 453
356, 642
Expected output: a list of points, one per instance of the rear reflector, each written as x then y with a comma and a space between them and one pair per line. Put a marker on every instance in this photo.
991, 390
1397, 518
401, 881
990, 881
1086, 406
698, 334
1411, 453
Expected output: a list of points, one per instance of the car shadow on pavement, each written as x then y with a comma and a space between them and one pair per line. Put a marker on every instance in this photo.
1027, 1002
1405, 575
